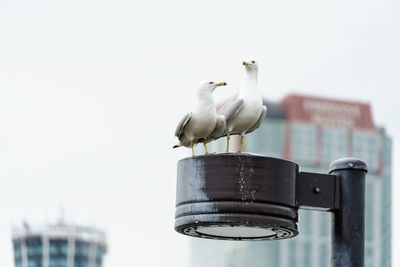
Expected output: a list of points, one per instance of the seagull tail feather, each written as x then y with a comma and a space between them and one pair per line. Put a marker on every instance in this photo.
175, 146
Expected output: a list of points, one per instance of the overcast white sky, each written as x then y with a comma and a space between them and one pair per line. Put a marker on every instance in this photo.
91, 91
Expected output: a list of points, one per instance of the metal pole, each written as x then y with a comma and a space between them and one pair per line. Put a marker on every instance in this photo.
348, 221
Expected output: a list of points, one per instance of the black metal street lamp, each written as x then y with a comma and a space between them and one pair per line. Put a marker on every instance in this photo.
253, 197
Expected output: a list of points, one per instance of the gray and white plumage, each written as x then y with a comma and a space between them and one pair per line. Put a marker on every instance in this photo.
246, 112
219, 131
203, 123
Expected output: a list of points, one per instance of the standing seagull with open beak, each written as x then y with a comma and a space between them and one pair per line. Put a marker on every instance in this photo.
202, 124
246, 112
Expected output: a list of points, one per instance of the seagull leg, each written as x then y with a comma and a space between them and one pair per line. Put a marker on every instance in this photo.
228, 136
191, 144
205, 146
241, 143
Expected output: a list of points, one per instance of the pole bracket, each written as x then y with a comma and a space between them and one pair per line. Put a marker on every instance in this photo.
317, 191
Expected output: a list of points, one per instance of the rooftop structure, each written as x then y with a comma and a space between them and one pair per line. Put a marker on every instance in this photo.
58, 245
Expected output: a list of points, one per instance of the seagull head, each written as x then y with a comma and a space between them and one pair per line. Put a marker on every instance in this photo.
251, 65
209, 86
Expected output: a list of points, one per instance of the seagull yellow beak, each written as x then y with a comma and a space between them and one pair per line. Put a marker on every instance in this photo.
245, 63
221, 84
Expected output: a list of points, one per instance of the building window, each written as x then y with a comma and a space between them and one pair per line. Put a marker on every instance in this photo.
268, 139
324, 224
58, 251
306, 222
324, 255
307, 254
34, 250
292, 253
369, 212
18, 253
304, 143
334, 143
369, 257
81, 258
99, 255
366, 146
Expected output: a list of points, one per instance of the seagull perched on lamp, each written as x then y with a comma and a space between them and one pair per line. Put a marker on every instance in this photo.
202, 124
246, 112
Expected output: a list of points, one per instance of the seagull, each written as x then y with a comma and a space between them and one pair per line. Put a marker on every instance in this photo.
246, 112
202, 124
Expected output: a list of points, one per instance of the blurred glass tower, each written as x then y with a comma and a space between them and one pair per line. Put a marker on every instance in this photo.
58, 245
313, 132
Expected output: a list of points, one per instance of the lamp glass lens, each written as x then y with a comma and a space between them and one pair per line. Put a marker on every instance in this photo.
236, 231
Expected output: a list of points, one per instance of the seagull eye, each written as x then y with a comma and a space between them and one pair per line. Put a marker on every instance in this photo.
253, 62
211, 83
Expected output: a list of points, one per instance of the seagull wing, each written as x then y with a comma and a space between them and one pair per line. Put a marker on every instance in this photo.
179, 132
219, 128
231, 108
259, 121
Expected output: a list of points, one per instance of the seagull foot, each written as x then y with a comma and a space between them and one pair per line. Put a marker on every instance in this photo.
209, 154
